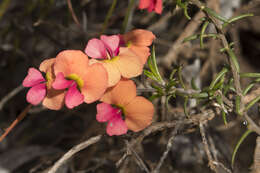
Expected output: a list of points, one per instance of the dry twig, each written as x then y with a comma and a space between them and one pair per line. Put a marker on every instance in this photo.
73, 151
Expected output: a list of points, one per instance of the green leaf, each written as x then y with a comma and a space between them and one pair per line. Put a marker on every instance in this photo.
252, 102
214, 14
150, 75
205, 25
153, 66
193, 85
250, 75
192, 37
180, 77
233, 19
243, 137
218, 77
233, 59
248, 88
173, 73
200, 95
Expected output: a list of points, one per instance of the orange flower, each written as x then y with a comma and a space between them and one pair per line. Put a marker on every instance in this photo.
55, 98
138, 41
72, 80
136, 110
118, 61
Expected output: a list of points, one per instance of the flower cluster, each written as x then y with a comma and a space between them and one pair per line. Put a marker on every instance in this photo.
151, 5
101, 73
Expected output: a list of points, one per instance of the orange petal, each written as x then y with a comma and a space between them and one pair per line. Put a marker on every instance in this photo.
128, 63
142, 51
139, 37
95, 83
121, 94
139, 114
46, 64
54, 99
71, 62
114, 74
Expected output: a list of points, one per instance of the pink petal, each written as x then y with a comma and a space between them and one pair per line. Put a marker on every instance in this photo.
36, 94
111, 43
96, 49
60, 82
158, 7
151, 6
105, 112
116, 126
144, 4
73, 97
33, 77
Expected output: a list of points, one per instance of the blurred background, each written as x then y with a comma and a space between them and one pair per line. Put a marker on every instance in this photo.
34, 30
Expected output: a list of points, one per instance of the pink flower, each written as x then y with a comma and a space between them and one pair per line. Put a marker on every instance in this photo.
107, 113
105, 48
118, 61
37, 82
124, 110
151, 5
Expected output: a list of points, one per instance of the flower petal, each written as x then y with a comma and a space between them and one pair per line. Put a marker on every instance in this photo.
73, 97
95, 83
71, 62
121, 94
144, 4
54, 99
129, 64
142, 52
158, 7
114, 74
139, 37
60, 82
116, 126
139, 114
36, 94
111, 43
46, 64
33, 77
96, 49
105, 112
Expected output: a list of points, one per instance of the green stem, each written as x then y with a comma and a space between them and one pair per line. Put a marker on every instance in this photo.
125, 22
108, 16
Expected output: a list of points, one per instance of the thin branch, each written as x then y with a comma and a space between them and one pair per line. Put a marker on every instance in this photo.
10, 95
138, 159
74, 15
168, 148
16, 121
73, 151
206, 147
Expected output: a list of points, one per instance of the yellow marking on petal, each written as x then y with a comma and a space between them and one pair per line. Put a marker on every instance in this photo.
112, 59
121, 109
77, 79
48, 79
128, 44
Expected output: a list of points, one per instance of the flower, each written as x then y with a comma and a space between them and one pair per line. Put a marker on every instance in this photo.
118, 61
80, 81
151, 5
37, 82
138, 41
54, 99
123, 110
